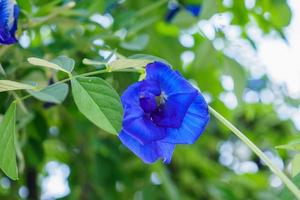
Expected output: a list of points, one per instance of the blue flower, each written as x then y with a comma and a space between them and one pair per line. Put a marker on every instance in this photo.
161, 111
194, 9
9, 13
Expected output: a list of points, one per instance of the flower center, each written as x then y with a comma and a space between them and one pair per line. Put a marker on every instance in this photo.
150, 102
161, 99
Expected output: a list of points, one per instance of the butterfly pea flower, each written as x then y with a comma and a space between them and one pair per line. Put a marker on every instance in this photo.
193, 9
9, 13
161, 111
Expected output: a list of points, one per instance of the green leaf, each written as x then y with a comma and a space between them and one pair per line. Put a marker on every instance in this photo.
7, 143
56, 93
285, 194
296, 165
7, 85
292, 146
137, 44
65, 63
99, 102
51, 65
127, 63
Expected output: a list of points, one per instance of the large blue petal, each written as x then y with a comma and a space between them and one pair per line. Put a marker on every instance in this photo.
192, 126
150, 152
173, 111
136, 122
171, 82
15, 21
132, 112
150, 86
130, 96
9, 13
143, 129
4, 13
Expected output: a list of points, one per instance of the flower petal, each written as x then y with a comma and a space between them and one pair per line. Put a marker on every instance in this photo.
150, 86
171, 82
166, 151
132, 112
9, 13
150, 152
192, 126
130, 97
4, 14
15, 20
143, 129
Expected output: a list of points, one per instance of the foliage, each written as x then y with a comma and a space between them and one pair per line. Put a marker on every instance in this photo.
53, 33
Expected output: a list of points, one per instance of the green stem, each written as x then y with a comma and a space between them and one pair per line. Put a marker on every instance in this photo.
22, 106
81, 75
291, 186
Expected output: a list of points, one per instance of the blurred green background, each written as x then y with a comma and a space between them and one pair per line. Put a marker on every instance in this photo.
62, 155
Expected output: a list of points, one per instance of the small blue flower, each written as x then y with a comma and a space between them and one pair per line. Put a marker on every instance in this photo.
161, 111
194, 9
9, 13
